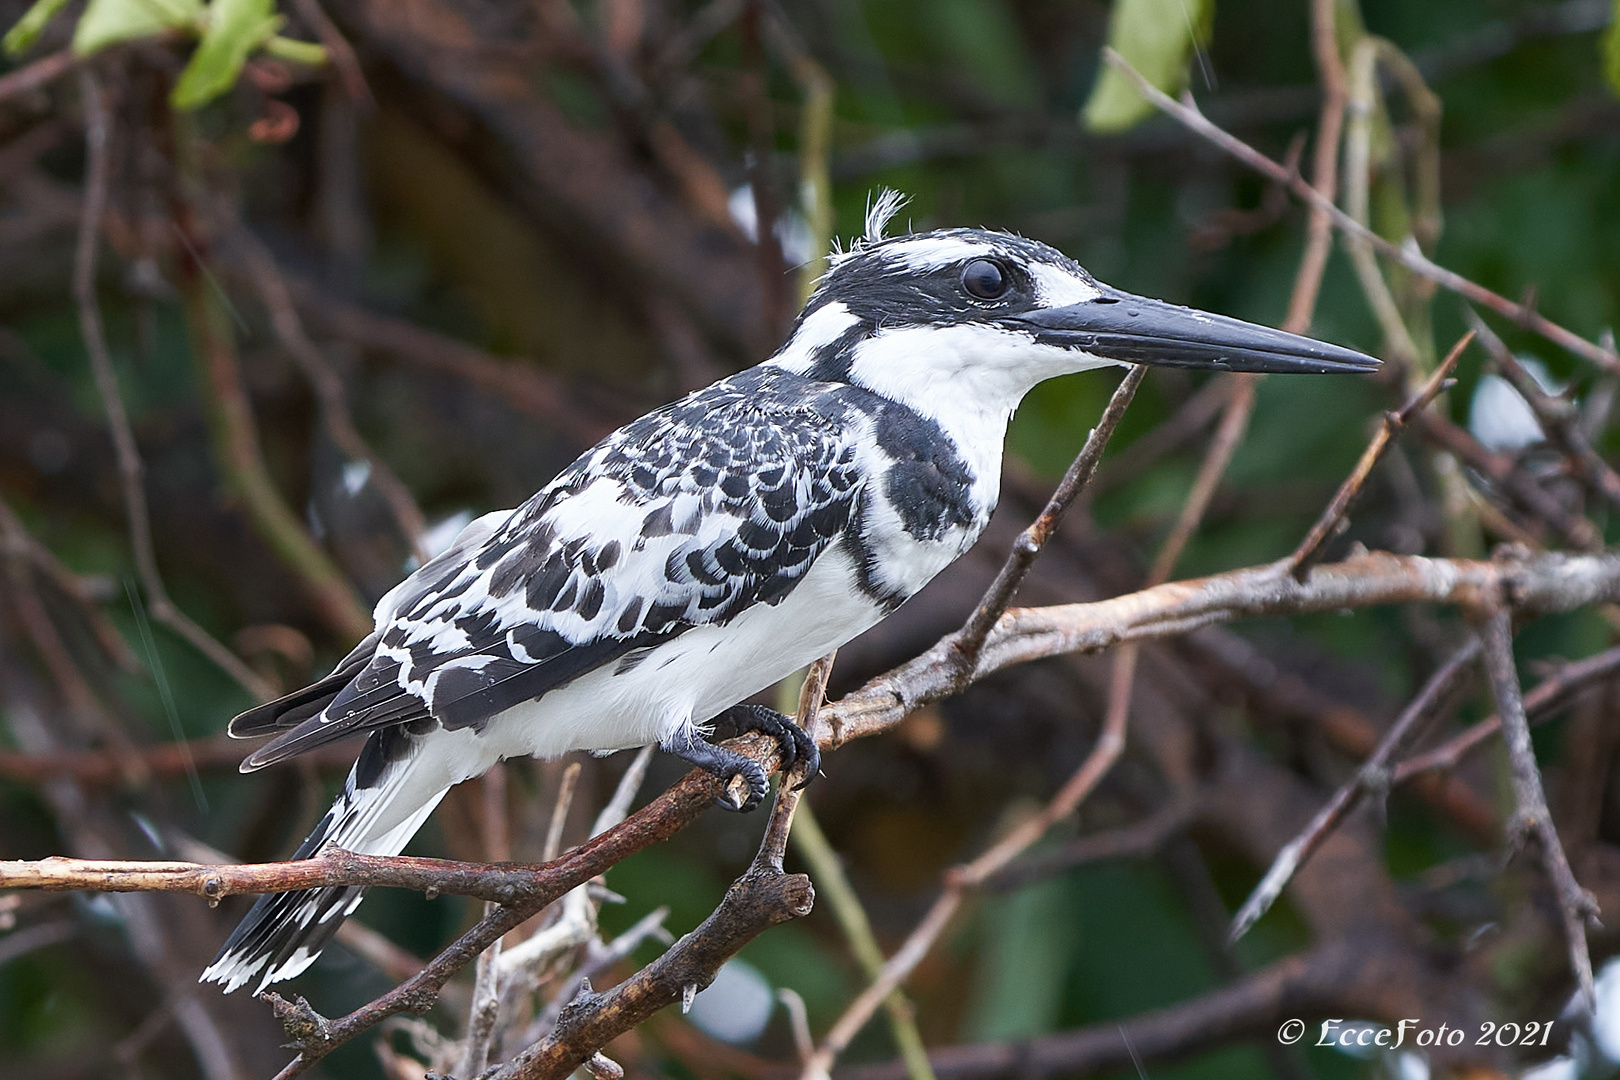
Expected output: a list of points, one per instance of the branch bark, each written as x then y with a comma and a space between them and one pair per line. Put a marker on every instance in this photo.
1535, 584
1532, 818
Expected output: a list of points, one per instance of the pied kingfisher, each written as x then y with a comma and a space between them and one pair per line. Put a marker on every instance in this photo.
707, 550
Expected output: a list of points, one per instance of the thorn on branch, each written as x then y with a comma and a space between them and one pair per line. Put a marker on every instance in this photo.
584, 1000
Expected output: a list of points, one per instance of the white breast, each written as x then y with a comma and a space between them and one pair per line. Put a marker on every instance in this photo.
695, 676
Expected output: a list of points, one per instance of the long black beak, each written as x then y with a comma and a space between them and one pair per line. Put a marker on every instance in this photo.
1137, 330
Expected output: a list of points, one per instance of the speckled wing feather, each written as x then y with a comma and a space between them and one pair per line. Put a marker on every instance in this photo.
685, 517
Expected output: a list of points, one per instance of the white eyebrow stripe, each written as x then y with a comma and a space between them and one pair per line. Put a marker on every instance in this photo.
1056, 287
932, 252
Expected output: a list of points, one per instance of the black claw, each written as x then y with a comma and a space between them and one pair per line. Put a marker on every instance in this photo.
725, 765
793, 745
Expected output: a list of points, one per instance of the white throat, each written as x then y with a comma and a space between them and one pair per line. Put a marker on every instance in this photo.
969, 379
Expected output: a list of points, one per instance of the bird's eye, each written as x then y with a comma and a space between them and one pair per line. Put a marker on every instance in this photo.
984, 279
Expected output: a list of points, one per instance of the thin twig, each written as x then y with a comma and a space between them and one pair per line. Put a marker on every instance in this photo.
36, 74
1531, 817
131, 471
160, 760
618, 807
1324, 173
1234, 422
41, 936
1320, 981
812, 696
1372, 776
1512, 481
328, 386
237, 448
1398, 342
1350, 731
1558, 417
1541, 703
1310, 548
486, 996
1409, 257
1193, 415
17, 542
827, 871
762, 897
83, 706
340, 51
523, 387
1030, 542
559, 811
1136, 840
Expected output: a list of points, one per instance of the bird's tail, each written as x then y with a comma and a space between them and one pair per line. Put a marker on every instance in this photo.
384, 802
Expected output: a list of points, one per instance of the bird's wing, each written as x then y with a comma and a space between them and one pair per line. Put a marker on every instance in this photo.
686, 517
293, 709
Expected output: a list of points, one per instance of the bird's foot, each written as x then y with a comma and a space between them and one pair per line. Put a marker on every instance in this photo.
793, 744
793, 747
726, 766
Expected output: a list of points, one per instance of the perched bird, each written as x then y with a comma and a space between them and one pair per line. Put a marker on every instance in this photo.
703, 552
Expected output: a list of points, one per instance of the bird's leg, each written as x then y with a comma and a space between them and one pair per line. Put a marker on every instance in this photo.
793, 746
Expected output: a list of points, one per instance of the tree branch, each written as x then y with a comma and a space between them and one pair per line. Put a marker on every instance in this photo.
1030, 542
761, 898
1535, 584
131, 470
1532, 818
1409, 257
1540, 704
1332, 517
1372, 776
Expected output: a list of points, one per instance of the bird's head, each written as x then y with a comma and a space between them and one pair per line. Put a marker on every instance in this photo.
973, 311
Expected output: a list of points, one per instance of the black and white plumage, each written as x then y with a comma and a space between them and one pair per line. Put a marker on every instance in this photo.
703, 552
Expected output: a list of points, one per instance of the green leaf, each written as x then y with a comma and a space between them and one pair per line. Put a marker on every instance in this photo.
298, 52
108, 22
21, 37
1611, 50
234, 29
1156, 36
